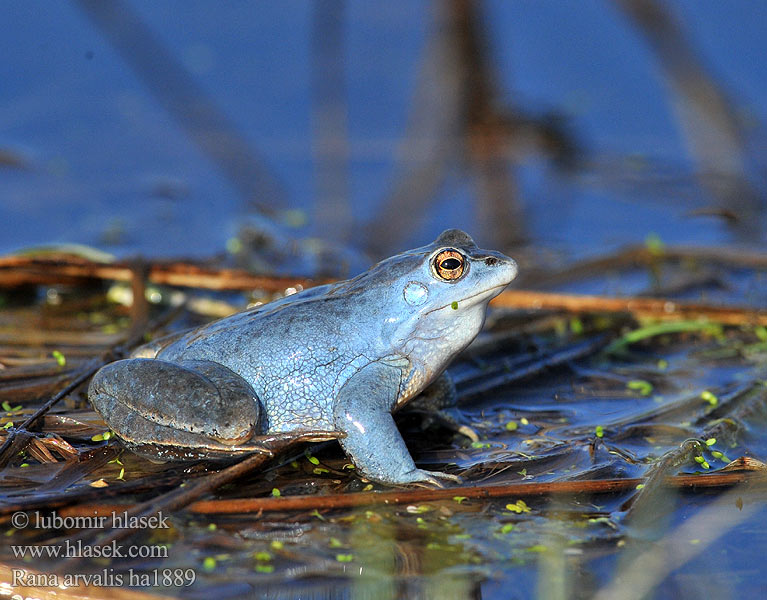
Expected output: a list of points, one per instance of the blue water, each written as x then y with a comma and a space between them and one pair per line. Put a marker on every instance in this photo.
98, 143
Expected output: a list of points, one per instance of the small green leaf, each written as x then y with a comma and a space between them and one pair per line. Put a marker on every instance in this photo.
599, 431
234, 245
276, 492
8, 425
335, 543
641, 386
637, 335
512, 426
507, 528
654, 244
277, 545
518, 507
459, 499
209, 563
709, 397
60, 358
294, 218
720, 456
524, 421
710, 441
262, 568
314, 460
263, 556
344, 557
702, 462
454, 305
576, 326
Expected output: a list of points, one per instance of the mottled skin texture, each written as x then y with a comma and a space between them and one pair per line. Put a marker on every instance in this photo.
334, 360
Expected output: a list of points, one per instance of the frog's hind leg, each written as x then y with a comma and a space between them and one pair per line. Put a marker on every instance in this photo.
146, 401
438, 404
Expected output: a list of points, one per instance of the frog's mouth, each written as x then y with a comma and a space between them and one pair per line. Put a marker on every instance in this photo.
484, 294
474, 299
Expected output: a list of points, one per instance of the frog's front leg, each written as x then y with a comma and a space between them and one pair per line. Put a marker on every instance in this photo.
363, 412
190, 402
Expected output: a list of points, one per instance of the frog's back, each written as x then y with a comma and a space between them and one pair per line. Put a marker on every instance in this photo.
295, 360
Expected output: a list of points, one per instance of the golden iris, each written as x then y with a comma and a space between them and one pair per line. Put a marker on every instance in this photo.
449, 264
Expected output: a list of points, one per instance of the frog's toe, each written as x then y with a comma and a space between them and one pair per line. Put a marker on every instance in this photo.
467, 431
432, 478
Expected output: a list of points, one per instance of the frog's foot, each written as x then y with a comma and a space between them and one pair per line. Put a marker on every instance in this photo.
187, 404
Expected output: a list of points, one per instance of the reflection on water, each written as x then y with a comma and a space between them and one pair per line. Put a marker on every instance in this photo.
558, 126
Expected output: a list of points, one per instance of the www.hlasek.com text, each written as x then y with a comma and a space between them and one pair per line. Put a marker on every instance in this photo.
77, 549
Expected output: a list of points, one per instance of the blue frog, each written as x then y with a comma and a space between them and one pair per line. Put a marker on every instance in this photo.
333, 361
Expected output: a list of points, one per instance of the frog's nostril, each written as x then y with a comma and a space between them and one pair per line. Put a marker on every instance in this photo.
491, 261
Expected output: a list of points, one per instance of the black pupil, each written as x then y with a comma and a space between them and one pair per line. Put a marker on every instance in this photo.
450, 264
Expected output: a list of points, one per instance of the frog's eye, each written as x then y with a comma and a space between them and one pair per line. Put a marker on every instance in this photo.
449, 265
